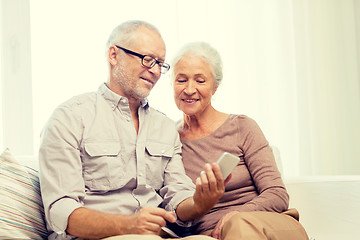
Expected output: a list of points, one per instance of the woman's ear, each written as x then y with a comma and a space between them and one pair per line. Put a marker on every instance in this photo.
112, 55
214, 89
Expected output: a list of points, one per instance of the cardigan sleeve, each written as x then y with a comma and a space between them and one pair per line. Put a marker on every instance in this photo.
261, 164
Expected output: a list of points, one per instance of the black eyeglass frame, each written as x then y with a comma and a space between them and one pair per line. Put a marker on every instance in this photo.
164, 67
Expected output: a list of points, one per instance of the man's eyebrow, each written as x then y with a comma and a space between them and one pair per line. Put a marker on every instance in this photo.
153, 56
159, 59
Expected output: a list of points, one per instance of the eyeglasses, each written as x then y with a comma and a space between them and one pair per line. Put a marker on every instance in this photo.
147, 60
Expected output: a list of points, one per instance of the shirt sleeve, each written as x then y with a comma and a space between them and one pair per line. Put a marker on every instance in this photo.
262, 166
177, 185
61, 181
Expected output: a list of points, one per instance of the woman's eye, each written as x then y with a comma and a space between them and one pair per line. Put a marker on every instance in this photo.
181, 80
200, 80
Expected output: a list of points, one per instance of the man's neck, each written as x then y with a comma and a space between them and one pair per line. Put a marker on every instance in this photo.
134, 105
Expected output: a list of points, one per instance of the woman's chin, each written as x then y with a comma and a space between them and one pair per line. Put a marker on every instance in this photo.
189, 113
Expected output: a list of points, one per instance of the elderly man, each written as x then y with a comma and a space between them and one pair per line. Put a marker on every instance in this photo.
110, 165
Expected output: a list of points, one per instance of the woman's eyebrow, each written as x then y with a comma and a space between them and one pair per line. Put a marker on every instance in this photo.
199, 75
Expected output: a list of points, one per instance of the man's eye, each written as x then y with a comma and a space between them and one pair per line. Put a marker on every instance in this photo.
147, 60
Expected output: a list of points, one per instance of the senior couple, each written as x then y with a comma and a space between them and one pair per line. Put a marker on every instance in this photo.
112, 167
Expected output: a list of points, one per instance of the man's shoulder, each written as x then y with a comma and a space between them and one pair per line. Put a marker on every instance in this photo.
161, 128
161, 120
155, 113
75, 106
79, 100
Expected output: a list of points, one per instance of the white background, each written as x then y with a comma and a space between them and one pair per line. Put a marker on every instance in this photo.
292, 65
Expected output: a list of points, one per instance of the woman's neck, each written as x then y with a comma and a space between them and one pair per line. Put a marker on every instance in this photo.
201, 125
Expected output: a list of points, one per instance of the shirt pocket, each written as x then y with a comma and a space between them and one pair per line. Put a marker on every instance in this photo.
103, 166
157, 157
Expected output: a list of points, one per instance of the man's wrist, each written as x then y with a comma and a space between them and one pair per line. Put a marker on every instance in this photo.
124, 224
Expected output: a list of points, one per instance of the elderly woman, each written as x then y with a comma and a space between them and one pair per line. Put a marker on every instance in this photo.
255, 203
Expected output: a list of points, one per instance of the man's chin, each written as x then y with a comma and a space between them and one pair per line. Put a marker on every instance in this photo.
144, 94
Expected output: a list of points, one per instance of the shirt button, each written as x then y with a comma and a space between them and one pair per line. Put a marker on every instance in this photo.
162, 151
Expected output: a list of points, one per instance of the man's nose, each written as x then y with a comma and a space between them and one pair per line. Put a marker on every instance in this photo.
156, 69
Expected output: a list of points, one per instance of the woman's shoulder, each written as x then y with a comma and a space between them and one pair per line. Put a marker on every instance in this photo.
241, 118
243, 122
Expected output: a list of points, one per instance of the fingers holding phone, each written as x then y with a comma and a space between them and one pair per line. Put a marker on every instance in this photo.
227, 162
209, 188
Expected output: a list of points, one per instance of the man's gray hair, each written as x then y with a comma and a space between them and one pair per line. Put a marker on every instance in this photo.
207, 52
125, 33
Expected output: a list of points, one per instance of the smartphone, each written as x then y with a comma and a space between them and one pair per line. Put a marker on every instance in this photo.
227, 163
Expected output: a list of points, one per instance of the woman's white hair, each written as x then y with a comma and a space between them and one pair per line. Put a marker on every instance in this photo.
207, 52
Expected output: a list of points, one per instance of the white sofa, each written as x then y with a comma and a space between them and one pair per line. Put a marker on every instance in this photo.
329, 206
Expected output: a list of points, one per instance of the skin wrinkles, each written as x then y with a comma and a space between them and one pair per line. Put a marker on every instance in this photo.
129, 84
194, 85
131, 79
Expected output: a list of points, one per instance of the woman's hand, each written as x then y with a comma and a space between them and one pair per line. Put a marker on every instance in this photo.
216, 233
210, 186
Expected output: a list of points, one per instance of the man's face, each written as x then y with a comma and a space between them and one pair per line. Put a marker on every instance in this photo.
130, 77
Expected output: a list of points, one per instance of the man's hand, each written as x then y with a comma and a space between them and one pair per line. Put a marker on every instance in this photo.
150, 220
90, 224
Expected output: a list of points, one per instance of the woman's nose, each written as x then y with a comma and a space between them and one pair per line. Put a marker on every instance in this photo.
190, 88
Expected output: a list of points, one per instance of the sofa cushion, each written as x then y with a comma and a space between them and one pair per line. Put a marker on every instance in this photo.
21, 209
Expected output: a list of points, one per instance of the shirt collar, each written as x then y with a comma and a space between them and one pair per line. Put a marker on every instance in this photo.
115, 99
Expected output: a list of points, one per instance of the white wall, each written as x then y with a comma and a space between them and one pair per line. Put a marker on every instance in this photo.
254, 84
16, 87
357, 26
291, 65
327, 72
1, 66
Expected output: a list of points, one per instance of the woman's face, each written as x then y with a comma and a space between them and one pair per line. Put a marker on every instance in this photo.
194, 85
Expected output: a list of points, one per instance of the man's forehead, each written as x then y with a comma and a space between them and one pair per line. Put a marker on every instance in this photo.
149, 42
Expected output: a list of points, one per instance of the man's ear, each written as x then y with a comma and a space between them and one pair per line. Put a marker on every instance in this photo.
112, 55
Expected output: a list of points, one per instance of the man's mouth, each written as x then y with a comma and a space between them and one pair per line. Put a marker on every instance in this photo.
148, 80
